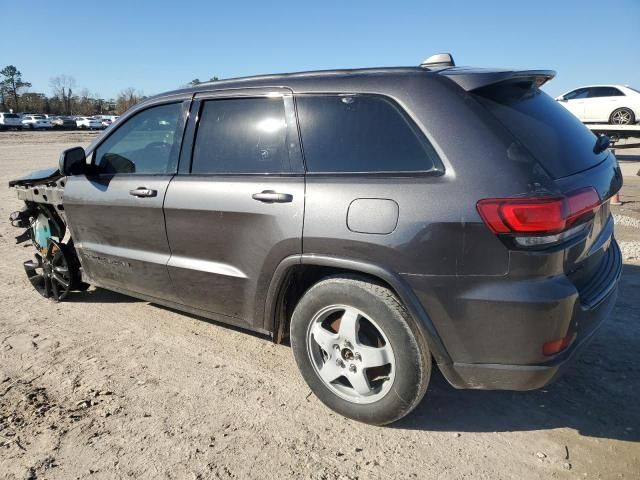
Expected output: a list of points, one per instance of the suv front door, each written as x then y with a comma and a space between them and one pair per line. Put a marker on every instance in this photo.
115, 214
235, 210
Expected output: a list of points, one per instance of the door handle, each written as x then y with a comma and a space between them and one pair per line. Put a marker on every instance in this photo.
143, 192
269, 196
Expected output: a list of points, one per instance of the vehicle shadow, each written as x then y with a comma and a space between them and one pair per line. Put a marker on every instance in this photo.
598, 396
228, 326
99, 295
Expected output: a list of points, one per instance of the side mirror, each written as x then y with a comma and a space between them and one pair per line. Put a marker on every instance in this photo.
73, 161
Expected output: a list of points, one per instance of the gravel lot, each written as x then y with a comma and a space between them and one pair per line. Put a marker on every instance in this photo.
106, 386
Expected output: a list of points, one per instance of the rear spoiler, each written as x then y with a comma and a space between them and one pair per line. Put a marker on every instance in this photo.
474, 78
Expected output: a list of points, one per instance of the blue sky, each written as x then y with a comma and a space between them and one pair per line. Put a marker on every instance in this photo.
159, 45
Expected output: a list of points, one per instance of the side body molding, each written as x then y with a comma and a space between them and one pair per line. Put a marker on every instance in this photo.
403, 290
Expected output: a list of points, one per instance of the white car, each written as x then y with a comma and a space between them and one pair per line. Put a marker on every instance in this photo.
615, 104
10, 120
88, 122
36, 121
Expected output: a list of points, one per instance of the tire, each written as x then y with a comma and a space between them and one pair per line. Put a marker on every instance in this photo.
622, 116
385, 348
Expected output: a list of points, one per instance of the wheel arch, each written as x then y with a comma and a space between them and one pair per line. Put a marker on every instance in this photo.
284, 292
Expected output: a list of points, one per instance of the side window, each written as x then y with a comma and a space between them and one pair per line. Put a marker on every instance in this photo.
241, 135
596, 92
576, 94
147, 143
360, 133
613, 92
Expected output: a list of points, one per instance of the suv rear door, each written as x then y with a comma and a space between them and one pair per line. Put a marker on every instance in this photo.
235, 209
116, 215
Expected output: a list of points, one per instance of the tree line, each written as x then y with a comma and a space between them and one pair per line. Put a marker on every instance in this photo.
64, 99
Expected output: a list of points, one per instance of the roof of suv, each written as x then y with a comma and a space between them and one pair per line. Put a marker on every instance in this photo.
300, 78
467, 77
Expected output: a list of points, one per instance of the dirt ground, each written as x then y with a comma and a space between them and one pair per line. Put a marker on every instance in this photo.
105, 386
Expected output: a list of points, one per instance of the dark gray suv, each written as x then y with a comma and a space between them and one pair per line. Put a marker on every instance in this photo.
379, 220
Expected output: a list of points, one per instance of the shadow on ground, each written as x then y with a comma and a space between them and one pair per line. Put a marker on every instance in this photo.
599, 396
99, 295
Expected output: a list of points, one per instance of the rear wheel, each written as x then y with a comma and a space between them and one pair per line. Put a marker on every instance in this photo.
359, 350
622, 116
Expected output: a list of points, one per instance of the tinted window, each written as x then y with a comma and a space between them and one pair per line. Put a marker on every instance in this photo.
614, 92
576, 94
241, 135
360, 133
147, 143
604, 92
553, 135
10, 115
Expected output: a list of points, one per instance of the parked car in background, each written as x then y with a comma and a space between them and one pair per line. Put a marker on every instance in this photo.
500, 287
10, 120
36, 121
615, 104
89, 122
62, 122
106, 122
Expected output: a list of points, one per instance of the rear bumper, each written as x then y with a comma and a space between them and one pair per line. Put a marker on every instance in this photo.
494, 333
530, 377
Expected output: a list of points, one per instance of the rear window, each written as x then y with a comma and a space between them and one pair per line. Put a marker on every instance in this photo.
10, 115
553, 135
360, 133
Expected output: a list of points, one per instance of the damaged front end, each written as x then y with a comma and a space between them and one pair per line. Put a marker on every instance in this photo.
55, 269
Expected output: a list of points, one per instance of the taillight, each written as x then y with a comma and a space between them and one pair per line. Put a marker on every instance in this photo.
534, 221
556, 346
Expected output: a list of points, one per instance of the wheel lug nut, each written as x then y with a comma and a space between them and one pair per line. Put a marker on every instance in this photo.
348, 344
340, 363
357, 357
336, 347
352, 368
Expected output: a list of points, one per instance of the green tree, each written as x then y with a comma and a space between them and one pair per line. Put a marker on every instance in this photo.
12, 83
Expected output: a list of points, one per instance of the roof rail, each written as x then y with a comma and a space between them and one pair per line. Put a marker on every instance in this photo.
439, 60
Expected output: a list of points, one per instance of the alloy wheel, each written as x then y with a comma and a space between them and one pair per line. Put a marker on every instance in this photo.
351, 354
50, 274
621, 117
